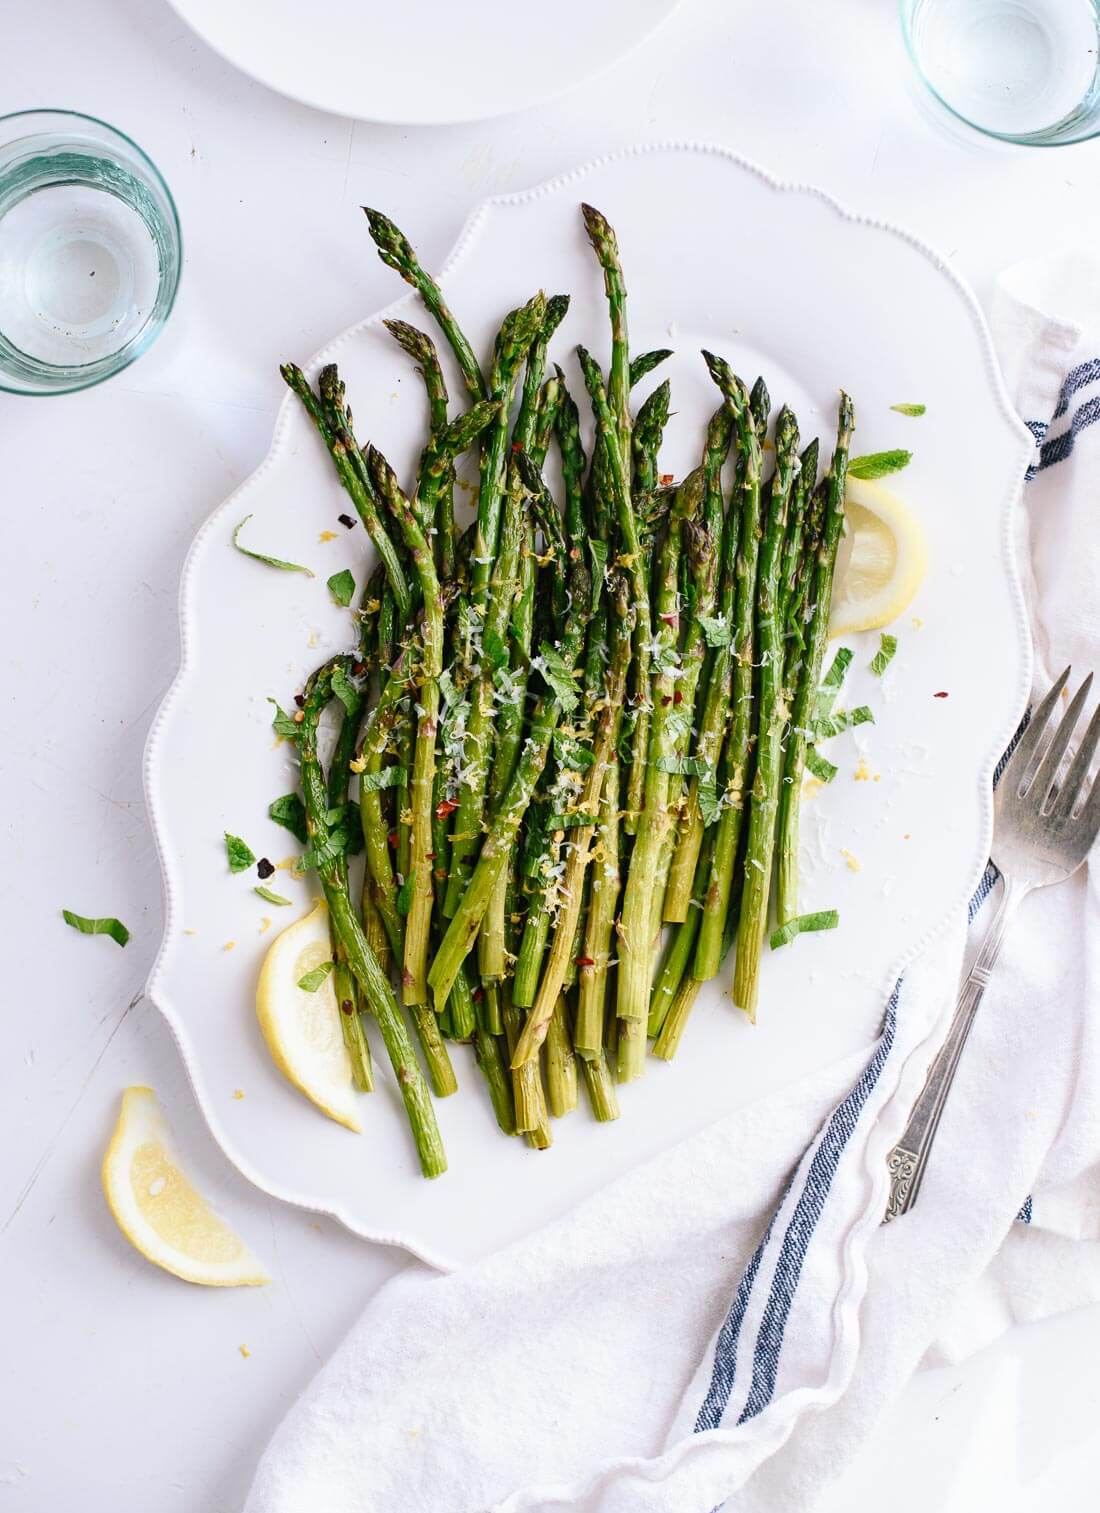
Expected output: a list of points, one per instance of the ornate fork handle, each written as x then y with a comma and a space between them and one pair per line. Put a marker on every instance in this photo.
909, 1158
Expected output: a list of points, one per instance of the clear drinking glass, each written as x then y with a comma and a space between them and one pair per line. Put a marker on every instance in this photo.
1026, 71
90, 251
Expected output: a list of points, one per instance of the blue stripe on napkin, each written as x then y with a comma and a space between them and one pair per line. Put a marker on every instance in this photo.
806, 1214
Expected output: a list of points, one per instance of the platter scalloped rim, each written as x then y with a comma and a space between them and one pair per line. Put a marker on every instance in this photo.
159, 988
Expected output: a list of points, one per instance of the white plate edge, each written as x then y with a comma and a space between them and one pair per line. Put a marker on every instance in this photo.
532, 102
467, 237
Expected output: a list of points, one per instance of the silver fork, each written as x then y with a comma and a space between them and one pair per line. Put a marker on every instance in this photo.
1042, 832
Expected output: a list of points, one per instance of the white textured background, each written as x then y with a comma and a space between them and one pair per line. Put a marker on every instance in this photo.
121, 1388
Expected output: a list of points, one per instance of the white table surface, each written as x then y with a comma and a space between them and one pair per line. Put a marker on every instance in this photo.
122, 1387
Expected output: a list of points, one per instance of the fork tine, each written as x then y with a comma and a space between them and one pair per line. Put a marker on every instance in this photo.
1079, 768
1019, 763
1089, 819
1047, 775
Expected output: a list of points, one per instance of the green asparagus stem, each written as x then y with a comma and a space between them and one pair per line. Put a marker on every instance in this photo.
347, 992
349, 933
649, 430
606, 247
419, 918
421, 852
494, 1068
645, 362
396, 252
528, 1090
768, 779
514, 584
816, 636
373, 744
632, 557
639, 919
505, 822
704, 553
738, 740
676, 1018
495, 559
330, 418
562, 952
681, 948
561, 1064
600, 1087
588, 1033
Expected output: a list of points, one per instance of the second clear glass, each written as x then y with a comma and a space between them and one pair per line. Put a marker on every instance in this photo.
1025, 71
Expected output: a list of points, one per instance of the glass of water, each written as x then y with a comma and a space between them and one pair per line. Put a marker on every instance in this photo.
1022, 70
90, 251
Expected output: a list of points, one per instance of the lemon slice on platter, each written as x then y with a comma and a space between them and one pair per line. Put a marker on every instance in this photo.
881, 562
302, 1029
159, 1210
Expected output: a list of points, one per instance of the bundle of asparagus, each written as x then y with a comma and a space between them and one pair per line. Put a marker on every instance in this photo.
572, 722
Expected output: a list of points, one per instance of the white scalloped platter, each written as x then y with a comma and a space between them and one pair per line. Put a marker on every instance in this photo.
780, 280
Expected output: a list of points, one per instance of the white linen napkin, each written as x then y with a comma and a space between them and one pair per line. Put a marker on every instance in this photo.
723, 1327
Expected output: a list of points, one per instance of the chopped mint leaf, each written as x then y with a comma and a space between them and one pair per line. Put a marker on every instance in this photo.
709, 804
879, 464
570, 753
239, 856
822, 769
342, 587
837, 668
570, 821
716, 629
385, 777
284, 724
597, 550
289, 811
325, 852
830, 684
287, 567
909, 409
684, 766
112, 927
882, 658
844, 719
558, 675
447, 690
346, 691
313, 980
271, 896
494, 650
825, 919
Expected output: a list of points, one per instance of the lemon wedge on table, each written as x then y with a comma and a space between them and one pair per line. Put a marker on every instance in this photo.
302, 1029
159, 1210
882, 560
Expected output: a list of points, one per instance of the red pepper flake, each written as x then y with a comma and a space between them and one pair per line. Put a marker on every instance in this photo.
939, 696
478, 994
346, 521
677, 697
584, 961
392, 839
670, 619
300, 700
358, 668
664, 479
516, 447
666, 699
346, 1006
265, 868
429, 856
447, 806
